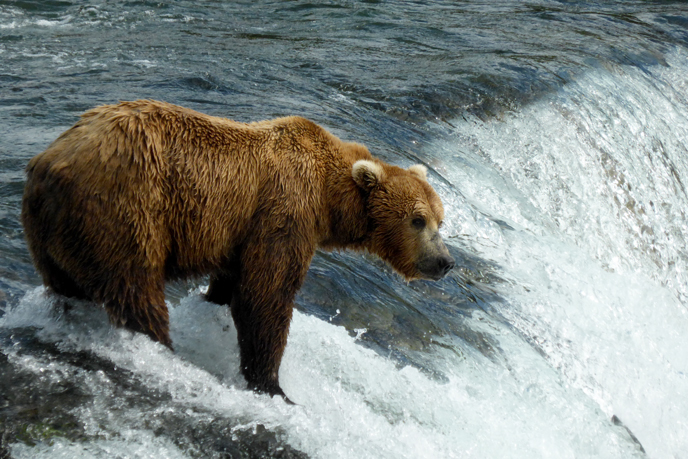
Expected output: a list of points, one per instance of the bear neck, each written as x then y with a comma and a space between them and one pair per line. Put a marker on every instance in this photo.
349, 226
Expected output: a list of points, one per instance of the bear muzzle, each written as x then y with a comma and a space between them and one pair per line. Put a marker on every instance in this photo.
435, 268
435, 262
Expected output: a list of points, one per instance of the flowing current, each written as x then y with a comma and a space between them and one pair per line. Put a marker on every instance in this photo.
556, 134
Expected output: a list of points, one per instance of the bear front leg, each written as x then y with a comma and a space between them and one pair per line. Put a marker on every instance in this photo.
272, 272
262, 338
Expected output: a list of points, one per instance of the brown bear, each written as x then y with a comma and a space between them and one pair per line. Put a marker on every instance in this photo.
139, 193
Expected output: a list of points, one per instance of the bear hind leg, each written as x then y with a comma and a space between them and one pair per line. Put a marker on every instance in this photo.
141, 308
57, 279
222, 286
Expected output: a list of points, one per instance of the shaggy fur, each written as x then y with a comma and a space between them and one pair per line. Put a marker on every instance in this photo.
142, 192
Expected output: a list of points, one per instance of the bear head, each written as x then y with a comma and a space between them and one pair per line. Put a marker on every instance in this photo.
405, 215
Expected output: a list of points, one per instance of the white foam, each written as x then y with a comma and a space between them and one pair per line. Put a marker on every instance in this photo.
591, 180
351, 400
20, 23
132, 444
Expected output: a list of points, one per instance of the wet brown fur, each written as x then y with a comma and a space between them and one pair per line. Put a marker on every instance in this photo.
139, 193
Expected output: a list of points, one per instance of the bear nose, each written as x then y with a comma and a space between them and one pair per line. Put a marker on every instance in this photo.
446, 265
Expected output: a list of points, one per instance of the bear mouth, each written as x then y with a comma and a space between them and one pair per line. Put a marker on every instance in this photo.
432, 277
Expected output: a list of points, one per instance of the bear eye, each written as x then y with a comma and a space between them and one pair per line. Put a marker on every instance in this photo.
418, 223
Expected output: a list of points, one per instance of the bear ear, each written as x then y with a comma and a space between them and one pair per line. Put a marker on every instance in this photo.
367, 174
419, 171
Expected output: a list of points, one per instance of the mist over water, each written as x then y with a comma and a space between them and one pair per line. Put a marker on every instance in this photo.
555, 134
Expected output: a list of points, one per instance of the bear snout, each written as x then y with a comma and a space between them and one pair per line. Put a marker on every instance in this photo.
445, 264
435, 268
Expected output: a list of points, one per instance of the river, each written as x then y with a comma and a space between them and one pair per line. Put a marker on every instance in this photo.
555, 132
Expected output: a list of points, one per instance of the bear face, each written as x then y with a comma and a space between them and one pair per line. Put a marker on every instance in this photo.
405, 214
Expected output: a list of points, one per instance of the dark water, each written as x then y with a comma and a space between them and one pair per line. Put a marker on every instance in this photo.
554, 131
